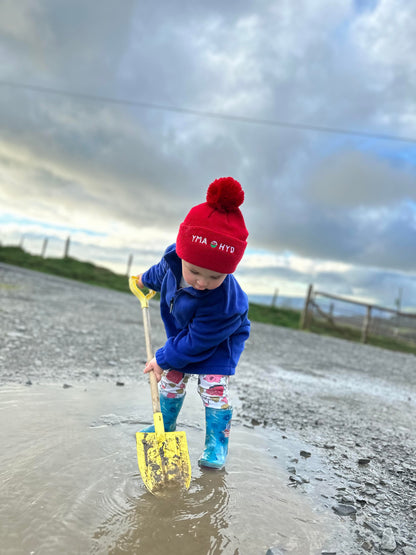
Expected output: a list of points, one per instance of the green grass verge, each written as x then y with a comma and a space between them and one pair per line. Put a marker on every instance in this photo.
285, 317
89, 273
354, 334
66, 267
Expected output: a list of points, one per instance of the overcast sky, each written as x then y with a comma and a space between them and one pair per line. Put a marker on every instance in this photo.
107, 133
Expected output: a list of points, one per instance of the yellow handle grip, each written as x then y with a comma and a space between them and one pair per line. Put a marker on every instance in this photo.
144, 299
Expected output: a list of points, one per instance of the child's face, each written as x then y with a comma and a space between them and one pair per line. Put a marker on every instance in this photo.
201, 278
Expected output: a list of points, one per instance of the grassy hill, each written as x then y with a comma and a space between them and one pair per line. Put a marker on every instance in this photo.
66, 267
89, 273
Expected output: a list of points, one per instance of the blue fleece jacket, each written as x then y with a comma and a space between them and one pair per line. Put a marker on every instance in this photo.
206, 330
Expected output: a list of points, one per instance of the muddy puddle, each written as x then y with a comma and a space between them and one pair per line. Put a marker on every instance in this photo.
70, 482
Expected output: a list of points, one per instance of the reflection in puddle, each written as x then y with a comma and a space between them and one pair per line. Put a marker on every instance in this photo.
194, 522
70, 483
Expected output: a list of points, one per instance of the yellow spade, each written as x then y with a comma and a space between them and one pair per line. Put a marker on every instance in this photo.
162, 456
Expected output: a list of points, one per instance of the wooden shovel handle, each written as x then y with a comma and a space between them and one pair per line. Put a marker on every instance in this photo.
149, 352
144, 301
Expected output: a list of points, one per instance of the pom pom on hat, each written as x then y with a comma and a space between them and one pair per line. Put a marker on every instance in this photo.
225, 194
213, 234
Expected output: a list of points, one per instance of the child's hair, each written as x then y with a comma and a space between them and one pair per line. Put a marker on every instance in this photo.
213, 235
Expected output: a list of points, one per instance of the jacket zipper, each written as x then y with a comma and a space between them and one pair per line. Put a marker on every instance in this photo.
172, 301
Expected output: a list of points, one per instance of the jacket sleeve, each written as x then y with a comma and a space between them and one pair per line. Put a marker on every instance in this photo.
153, 277
199, 340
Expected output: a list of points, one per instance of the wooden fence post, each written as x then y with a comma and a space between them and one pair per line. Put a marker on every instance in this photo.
366, 325
68, 241
274, 299
304, 317
129, 263
45, 244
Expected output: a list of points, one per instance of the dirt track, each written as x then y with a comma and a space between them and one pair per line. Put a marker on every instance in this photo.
353, 404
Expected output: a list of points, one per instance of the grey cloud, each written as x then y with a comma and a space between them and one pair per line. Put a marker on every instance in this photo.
333, 282
274, 272
395, 242
325, 196
63, 43
353, 178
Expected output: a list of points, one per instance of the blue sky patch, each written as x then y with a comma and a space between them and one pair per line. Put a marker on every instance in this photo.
6, 218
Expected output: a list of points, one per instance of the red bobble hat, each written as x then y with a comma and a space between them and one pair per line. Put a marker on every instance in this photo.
213, 234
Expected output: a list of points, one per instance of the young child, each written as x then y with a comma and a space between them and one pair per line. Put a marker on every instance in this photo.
204, 311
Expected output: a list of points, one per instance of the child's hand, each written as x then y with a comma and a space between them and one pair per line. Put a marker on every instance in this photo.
139, 282
153, 365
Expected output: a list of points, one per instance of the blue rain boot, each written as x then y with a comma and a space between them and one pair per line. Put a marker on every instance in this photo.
218, 423
170, 408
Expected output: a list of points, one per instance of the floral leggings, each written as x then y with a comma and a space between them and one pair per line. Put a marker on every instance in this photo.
212, 388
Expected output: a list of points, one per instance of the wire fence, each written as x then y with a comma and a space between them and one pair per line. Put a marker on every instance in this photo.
353, 318
56, 247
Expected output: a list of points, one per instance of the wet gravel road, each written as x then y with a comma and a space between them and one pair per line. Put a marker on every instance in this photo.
354, 405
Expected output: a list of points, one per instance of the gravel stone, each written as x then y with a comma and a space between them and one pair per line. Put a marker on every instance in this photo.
344, 510
388, 542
